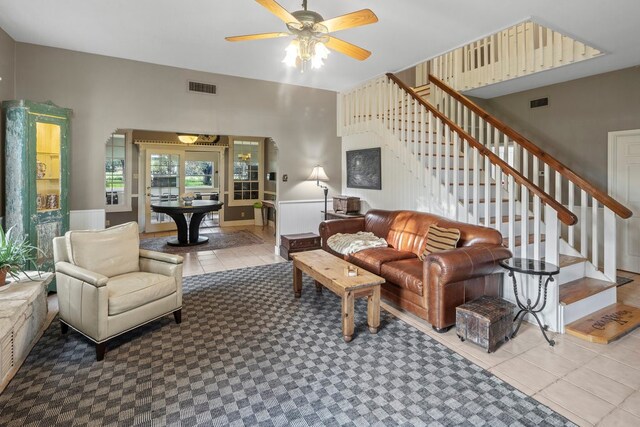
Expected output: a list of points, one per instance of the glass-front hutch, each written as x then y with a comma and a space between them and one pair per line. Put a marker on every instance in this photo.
37, 174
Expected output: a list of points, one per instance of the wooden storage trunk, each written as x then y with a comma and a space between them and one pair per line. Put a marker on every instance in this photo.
291, 243
346, 204
485, 321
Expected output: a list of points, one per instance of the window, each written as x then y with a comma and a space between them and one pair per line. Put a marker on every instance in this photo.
246, 171
201, 171
116, 168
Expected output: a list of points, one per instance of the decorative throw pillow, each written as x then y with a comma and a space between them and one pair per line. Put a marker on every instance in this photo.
440, 239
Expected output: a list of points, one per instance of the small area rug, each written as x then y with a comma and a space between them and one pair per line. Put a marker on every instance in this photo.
249, 353
621, 280
222, 240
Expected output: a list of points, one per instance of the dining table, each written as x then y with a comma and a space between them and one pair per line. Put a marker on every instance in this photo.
178, 210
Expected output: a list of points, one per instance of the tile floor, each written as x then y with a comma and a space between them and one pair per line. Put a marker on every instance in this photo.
590, 384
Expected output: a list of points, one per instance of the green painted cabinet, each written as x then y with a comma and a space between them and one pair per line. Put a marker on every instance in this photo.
37, 173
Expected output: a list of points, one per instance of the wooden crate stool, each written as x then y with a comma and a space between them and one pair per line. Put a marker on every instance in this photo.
486, 321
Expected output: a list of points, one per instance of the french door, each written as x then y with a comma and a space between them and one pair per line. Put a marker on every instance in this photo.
163, 182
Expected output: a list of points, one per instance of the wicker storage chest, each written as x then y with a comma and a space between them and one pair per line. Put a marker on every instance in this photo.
486, 321
346, 204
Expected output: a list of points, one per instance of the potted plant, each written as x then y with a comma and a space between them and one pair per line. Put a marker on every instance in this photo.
15, 253
257, 213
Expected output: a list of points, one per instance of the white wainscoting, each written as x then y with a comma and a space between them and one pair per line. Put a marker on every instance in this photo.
299, 216
90, 219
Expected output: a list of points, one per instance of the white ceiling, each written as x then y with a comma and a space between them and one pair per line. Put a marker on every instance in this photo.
190, 34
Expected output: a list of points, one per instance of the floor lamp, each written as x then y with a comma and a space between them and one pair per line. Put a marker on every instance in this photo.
317, 175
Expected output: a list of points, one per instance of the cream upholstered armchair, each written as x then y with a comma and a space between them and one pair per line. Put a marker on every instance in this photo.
108, 286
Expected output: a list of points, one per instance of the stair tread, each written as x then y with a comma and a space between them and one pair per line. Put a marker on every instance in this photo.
505, 218
567, 260
582, 288
518, 242
607, 324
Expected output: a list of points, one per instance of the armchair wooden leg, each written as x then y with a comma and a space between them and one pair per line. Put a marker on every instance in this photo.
101, 349
178, 316
64, 328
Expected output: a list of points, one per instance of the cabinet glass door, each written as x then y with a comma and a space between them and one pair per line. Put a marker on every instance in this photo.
48, 173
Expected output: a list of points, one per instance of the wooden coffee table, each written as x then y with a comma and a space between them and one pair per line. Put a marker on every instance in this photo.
329, 271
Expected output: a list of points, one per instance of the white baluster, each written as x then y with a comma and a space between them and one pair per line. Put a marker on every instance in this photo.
583, 224
498, 187
571, 228
524, 224
512, 215
447, 164
465, 177
476, 187
454, 171
594, 232
551, 235
537, 223
487, 192
430, 159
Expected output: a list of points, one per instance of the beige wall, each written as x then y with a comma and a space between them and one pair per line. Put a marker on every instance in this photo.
108, 93
7, 72
574, 127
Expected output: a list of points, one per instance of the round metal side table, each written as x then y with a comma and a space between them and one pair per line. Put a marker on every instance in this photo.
533, 268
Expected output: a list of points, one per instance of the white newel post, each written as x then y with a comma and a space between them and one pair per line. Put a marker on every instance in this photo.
610, 267
552, 235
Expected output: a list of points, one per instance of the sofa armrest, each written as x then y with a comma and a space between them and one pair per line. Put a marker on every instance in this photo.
82, 274
465, 263
334, 226
161, 256
452, 277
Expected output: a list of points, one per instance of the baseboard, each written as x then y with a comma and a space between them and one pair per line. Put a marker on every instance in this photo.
239, 222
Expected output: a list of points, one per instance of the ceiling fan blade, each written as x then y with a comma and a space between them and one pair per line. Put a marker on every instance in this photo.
348, 49
350, 20
256, 37
278, 10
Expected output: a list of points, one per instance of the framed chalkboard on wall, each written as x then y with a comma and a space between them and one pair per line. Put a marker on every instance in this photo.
364, 169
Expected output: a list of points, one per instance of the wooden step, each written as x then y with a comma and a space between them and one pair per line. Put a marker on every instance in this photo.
518, 242
505, 219
607, 324
567, 260
582, 288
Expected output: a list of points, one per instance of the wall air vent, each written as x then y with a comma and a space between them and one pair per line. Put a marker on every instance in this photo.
540, 102
202, 88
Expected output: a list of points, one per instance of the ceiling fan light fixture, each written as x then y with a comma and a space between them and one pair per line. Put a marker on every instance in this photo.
320, 53
291, 54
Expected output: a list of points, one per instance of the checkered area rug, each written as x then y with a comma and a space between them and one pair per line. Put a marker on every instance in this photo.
249, 353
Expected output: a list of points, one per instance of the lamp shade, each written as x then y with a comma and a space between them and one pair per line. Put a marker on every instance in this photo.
318, 174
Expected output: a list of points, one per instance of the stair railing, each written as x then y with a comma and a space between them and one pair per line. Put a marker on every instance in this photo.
558, 180
519, 50
432, 145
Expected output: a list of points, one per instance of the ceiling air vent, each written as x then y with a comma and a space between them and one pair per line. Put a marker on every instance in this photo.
540, 102
202, 88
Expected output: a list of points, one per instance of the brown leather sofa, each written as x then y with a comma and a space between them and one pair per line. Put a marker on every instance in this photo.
433, 288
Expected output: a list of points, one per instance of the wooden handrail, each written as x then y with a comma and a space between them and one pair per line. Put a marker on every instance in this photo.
615, 206
564, 214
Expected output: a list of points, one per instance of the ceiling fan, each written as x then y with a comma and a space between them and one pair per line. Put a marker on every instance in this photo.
311, 32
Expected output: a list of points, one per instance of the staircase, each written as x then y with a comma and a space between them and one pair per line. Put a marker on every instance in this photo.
450, 157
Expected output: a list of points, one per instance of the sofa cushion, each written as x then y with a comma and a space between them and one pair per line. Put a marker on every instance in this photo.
372, 259
110, 252
440, 239
406, 273
132, 290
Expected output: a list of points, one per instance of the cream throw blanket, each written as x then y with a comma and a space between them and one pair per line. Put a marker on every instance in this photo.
347, 244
